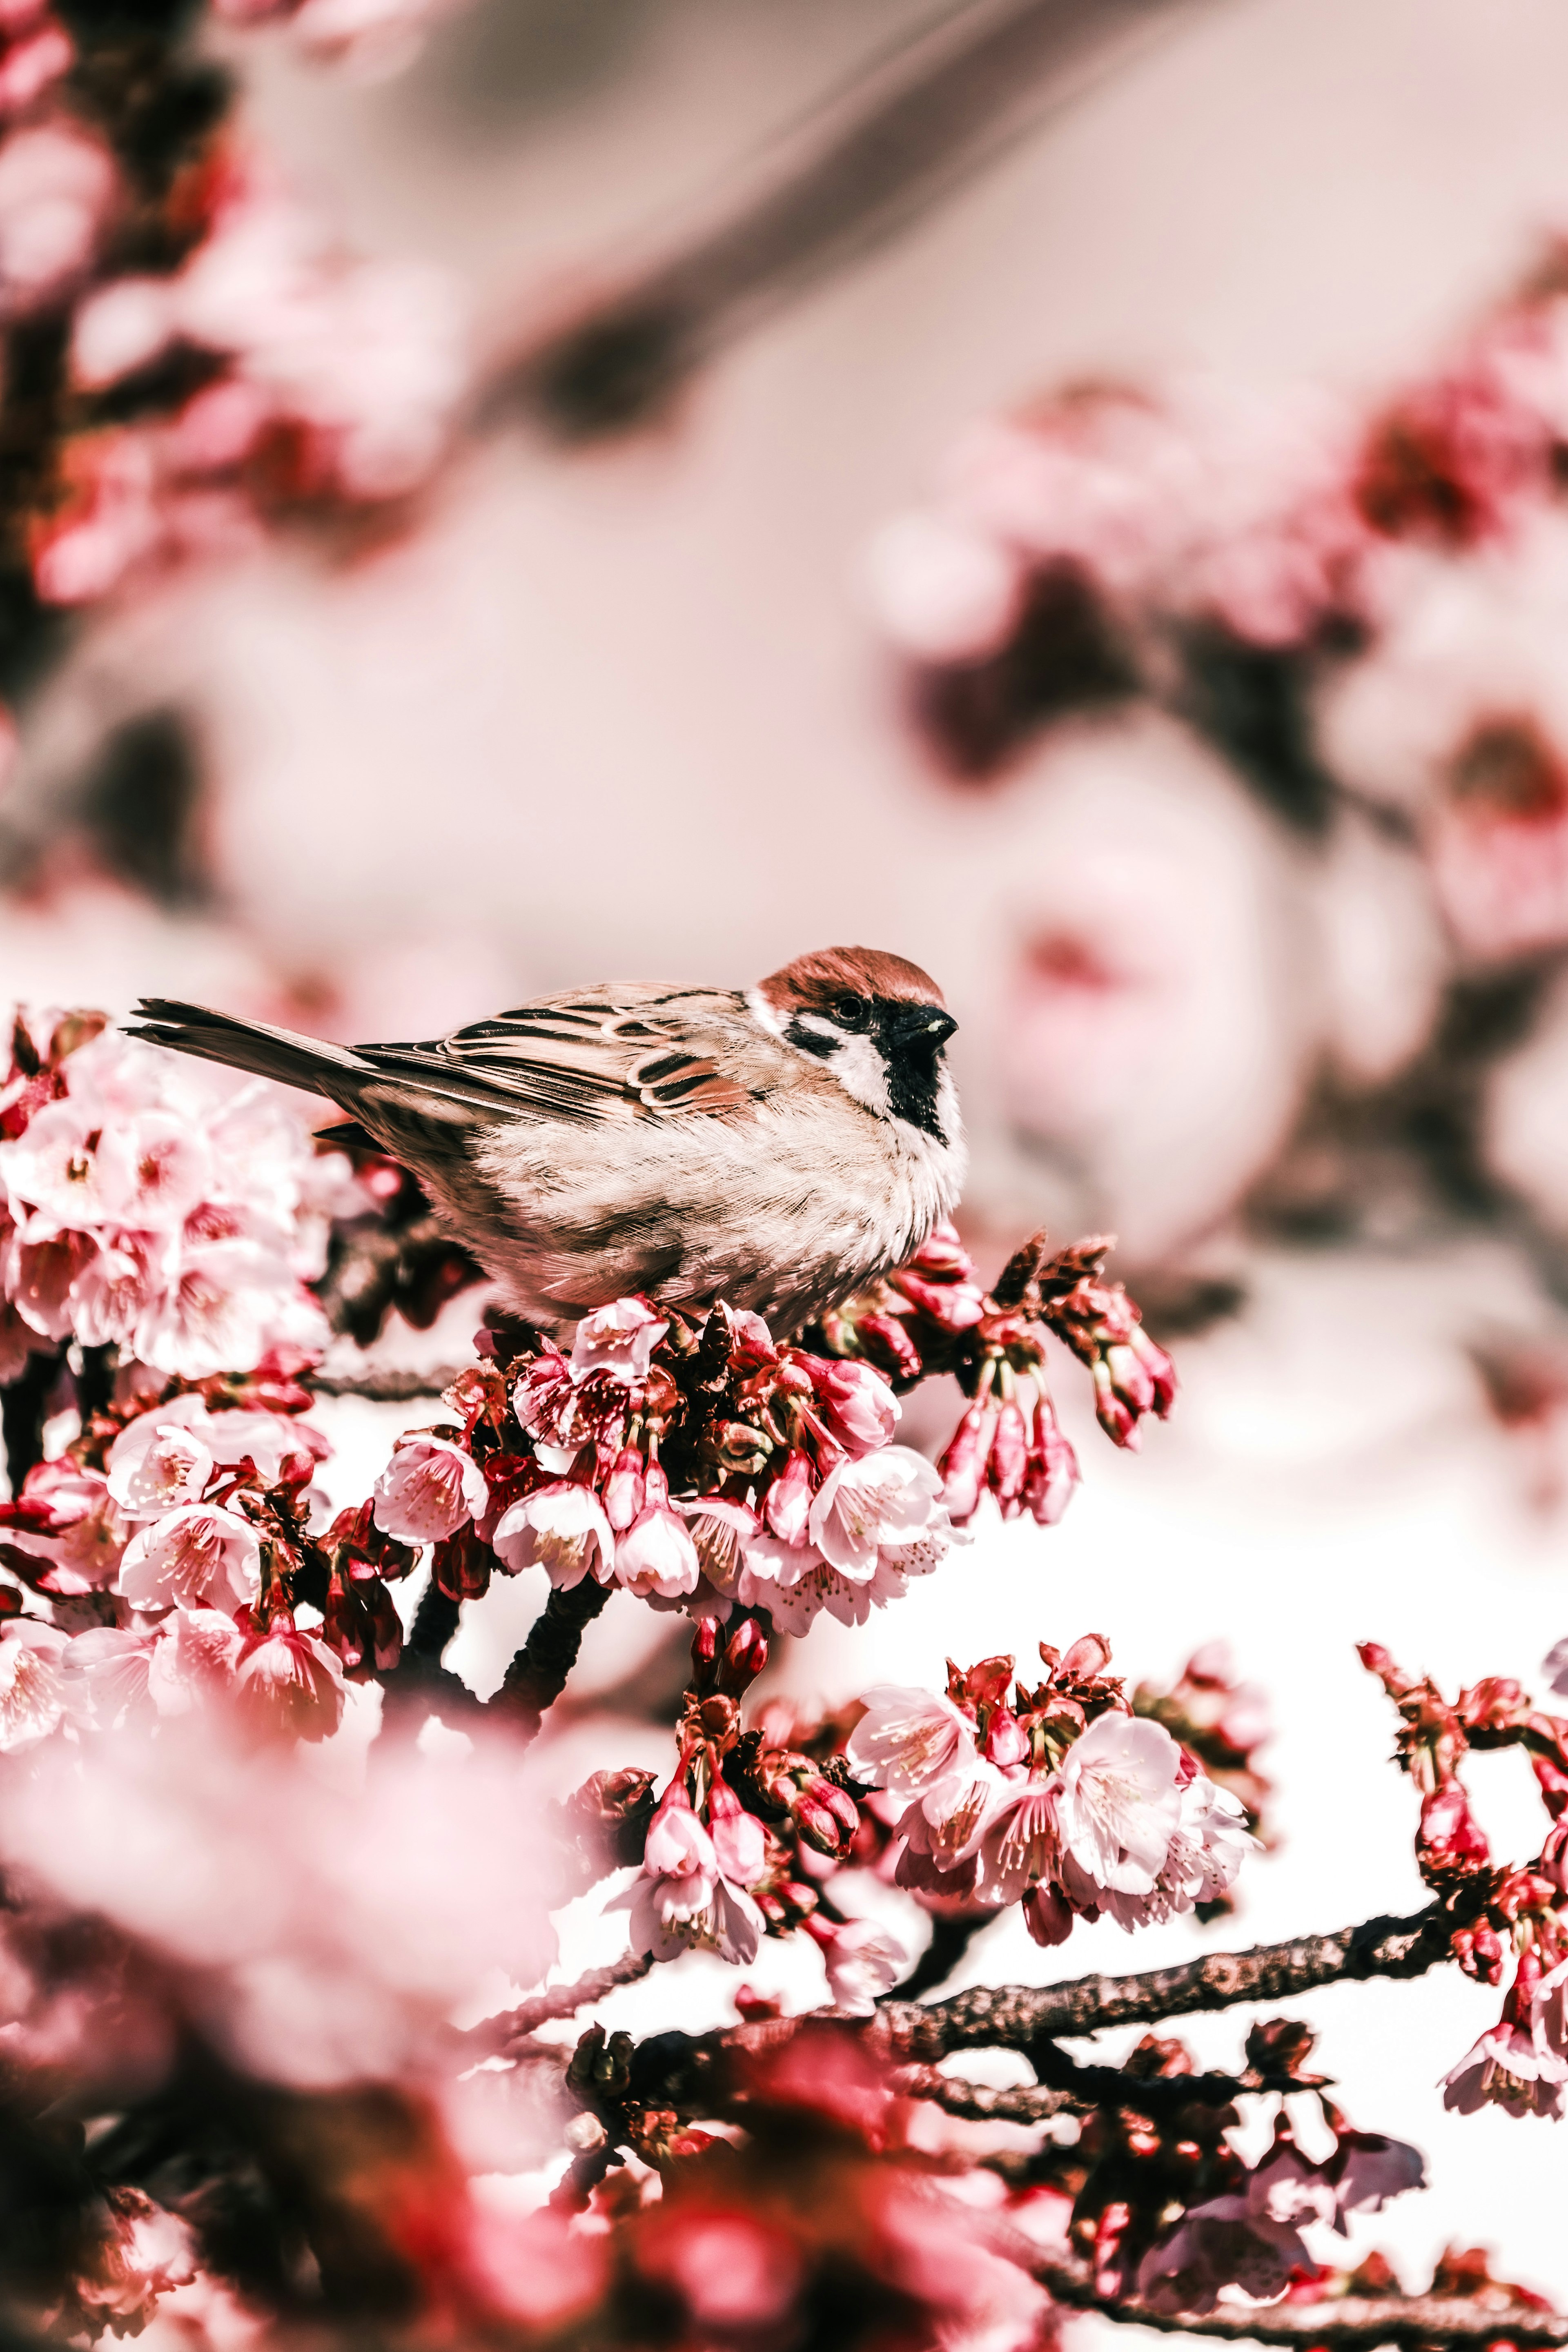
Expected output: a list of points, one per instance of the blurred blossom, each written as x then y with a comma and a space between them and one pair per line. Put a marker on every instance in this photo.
57, 189
330, 1931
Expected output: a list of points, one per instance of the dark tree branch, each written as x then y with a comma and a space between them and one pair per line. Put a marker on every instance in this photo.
904, 132
1353, 2321
386, 1383
23, 1408
1067, 2089
537, 1675
684, 2070
1015, 2016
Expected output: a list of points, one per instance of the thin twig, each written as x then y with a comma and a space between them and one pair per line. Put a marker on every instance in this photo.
1357, 2322
1019, 2104
1067, 2089
496, 2034
386, 1383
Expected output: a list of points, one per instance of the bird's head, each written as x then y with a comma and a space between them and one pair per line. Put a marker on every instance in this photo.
879, 1025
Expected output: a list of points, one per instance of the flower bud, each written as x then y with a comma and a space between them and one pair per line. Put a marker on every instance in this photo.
789, 1497
738, 1838
1006, 1742
1086, 1661
1008, 1465
888, 1336
1052, 1475
1449, 1842
1048, 1914
962, 1467
815, 1824
624, 1489
745, 1656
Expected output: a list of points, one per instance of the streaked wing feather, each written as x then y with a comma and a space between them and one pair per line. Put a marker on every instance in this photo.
619, 1055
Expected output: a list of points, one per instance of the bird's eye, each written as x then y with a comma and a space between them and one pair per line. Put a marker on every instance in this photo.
851, 1011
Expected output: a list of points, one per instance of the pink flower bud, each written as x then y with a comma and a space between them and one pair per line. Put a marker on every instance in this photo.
624, 1489
1052, 1477
656, 1555
676, 1842
856, 1404
790, 1497
745, 1656
1009, 1459
815, 1820
889, 1336
1449, 1841
738, 1838
962, 1467
1006, 1742
1086, 1661
956, 1306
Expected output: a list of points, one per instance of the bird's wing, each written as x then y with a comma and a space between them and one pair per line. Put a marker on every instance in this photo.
622, 1054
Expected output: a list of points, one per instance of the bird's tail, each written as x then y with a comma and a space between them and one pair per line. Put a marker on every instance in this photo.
334, 1071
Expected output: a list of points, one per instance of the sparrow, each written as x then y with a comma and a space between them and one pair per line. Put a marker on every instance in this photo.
776, 1148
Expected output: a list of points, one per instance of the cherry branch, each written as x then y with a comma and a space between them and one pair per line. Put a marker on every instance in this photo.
909, 128
686, 2070
1352, 2320
1015, 2016
537, 1675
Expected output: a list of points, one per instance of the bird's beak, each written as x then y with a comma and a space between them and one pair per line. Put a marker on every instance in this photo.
912, 1026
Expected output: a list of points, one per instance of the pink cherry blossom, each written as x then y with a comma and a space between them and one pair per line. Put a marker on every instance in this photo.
656, 1555
1286, 2186
862, 1961
563, 1528
58, 188
1508, 2068
1021, 1843
156, 1467
288, 1681
891, 1498
153, 1171
910, 1742
740, 1846
1118, 1802
54, 1167
618, 1339
1223, 2243
677, 1840
429, 1489
32, 1682
199, 1556
789, 1497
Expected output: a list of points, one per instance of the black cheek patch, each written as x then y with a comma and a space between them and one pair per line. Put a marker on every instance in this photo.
812, 1041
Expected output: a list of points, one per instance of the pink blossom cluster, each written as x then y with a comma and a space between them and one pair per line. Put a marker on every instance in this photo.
1192, 502
159, 1208
628, 1463
163, 1554
1063, 1801
1497, 1915
1249, 2239
311, 381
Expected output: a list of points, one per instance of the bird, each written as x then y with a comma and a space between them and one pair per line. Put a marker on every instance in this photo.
776, 1148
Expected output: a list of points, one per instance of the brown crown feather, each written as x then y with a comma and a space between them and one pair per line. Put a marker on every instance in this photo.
811, 982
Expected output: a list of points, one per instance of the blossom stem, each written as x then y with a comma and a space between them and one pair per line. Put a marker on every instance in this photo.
537, 1675
1352, 2320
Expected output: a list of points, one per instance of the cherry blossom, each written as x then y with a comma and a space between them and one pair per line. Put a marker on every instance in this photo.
1118, 1803
32, 1682
887, 1502
862, 1960
910, 1742
429, 1489
1221, 2245
655, 1554
563, 1526
200, 1555
618, 1339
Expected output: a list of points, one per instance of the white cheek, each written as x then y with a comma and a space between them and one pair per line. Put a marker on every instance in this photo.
858, 1068
763, 1013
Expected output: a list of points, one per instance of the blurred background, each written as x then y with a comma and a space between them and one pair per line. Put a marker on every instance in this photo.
1072, 494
